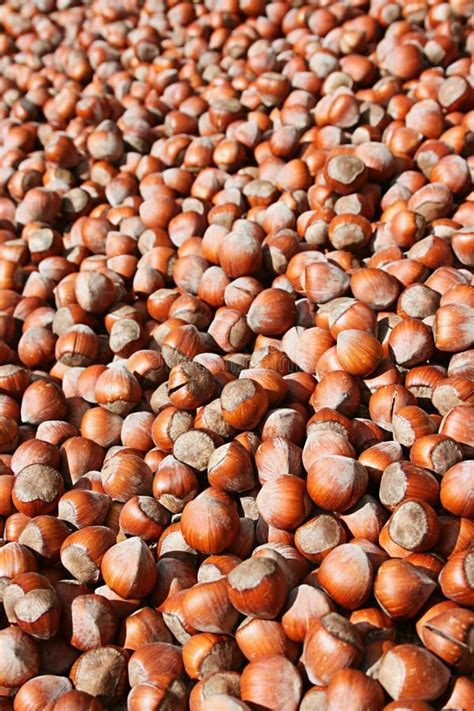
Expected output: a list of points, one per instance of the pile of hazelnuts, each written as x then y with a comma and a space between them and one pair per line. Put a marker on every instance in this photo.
236, 355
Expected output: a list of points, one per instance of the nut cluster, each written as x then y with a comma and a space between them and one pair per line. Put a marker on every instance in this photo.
236, 355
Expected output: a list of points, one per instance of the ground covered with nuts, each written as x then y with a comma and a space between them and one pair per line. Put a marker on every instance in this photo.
236, 355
